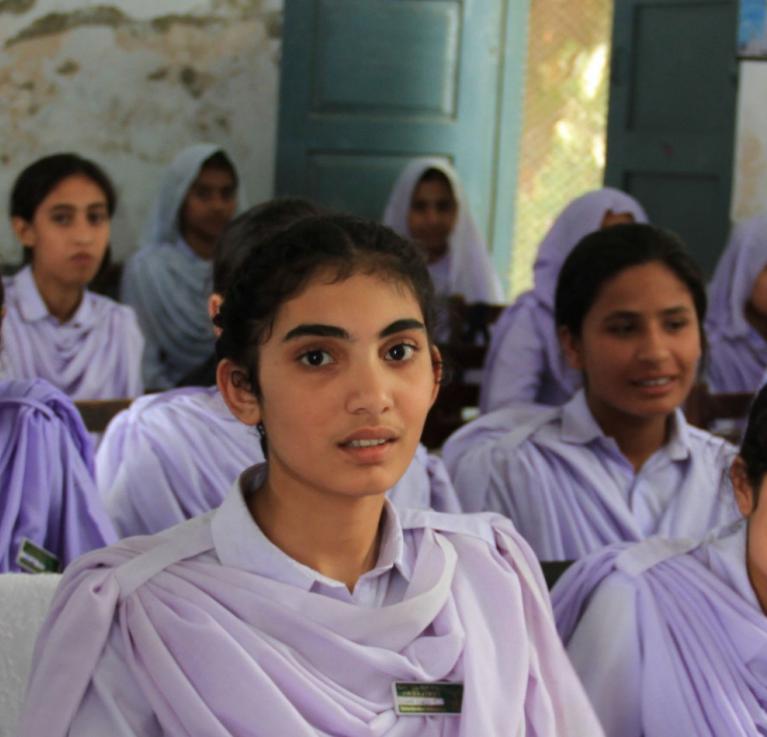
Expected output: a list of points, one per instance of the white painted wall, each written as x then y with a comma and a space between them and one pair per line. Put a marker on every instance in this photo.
750, 180
130, 82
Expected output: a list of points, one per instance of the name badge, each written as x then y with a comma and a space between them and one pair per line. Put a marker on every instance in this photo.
419, 699
35, 559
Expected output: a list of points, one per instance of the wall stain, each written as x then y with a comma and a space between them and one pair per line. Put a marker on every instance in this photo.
17, 7
194, 82
69, 67
273, 24
112, 17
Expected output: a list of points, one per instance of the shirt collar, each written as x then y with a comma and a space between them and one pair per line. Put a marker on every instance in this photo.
33, 308
240, 542
580, 427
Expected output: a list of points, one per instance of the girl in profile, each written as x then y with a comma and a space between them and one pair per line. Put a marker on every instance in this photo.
670, 637
306, 604
618, 461
56, 329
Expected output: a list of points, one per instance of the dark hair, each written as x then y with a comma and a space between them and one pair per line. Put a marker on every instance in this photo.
220, 160
435, 175
35, 182
282, 266
753, 447
603, 254
250, 229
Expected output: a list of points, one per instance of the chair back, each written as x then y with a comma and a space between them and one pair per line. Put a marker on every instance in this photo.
98, 413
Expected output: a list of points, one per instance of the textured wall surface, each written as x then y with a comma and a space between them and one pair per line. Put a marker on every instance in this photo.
750, 180
130, 82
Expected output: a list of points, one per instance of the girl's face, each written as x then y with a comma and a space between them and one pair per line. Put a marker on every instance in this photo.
432, 215
347, 377
69, 232
758, 297
639, 345
756, 513
209, 204
616, 218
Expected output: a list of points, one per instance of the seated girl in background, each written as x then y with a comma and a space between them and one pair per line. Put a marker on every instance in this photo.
524, 363
49, 508
168, 281
55, 329
306, 604
670, 637
618, 461
427, 204
736, 325
157, 464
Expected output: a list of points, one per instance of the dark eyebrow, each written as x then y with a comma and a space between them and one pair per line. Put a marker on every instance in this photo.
399, 326
318, 331
627, 314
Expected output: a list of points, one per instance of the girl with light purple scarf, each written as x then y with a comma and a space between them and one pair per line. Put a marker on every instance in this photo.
307, 604
670, 636
524, 362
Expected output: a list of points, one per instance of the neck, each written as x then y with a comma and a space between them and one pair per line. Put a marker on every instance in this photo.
62, 300
434, 255
336, 535
757, 320
201, 244
637, 437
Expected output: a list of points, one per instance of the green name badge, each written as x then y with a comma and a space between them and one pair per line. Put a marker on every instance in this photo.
419, 699
34, 559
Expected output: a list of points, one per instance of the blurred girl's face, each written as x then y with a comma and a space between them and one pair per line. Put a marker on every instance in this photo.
69, 232
753, 507
758, 297
616, 218
432, 215
209, 205
347, 377
639, 345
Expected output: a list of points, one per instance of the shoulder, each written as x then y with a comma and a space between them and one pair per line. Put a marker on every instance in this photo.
107, 308
153, 409
708, 447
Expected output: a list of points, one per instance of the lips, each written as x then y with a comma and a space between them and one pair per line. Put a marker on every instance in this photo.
369, 437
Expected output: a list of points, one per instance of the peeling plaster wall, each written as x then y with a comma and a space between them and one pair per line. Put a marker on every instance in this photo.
750, 180
129, 83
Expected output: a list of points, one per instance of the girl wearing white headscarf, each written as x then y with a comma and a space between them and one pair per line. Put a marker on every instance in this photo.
427, 204
736, 324
524, 363
167, 282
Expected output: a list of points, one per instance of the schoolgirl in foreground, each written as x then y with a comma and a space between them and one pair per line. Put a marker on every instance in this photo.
55, 329
299, 605
618, 461
670, 637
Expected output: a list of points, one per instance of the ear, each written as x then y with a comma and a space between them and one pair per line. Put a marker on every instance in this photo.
571, 347
24, 231
436, 365
744, 494
236, 391
215, 300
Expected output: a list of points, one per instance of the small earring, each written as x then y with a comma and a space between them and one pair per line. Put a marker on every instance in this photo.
261, 429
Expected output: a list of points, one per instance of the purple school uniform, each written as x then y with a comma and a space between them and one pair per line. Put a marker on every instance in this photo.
568, 488
94, 355
668, 637
47, 492
172, 456
524, 362
210, 629
737, 354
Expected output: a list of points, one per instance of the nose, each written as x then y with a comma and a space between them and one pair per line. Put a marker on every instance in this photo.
83, 231
370, 390
654, 346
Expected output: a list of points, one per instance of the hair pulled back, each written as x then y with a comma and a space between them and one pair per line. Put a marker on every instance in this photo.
37, 181
603, 254
251, 228
338, 246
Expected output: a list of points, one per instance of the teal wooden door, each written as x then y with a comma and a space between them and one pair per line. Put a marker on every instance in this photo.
368, 84
671, 123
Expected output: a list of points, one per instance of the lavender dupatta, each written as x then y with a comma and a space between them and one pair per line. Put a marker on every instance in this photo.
47, 492
704, 647
218, 650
